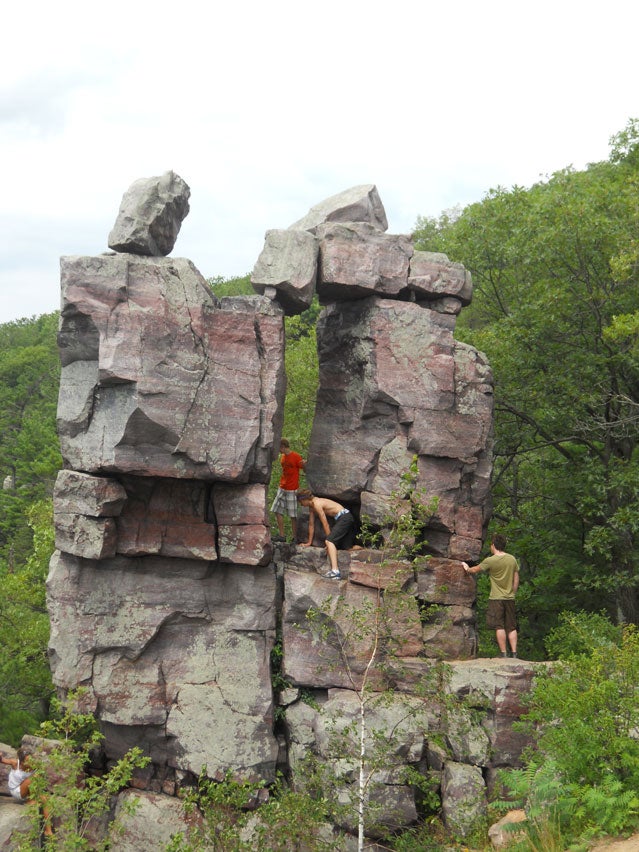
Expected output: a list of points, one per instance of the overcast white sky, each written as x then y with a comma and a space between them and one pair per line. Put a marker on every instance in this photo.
265, 109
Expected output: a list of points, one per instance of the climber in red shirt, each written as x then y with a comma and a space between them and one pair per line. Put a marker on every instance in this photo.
285, 502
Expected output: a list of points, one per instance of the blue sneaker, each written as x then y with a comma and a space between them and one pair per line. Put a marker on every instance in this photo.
333, 575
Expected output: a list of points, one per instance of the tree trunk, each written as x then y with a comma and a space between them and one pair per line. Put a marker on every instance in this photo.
628, 605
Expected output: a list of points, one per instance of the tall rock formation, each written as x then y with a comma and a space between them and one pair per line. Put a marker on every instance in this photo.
393, 383
165, 591
161, 596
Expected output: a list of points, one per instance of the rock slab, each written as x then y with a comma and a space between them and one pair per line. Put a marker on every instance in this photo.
151, 215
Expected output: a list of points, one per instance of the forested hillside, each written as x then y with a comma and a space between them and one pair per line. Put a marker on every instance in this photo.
29, 462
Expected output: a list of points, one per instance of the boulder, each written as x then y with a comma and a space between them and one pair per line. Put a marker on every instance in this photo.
357, 204
151, 215
148, 821
397, 729
328, 650
91, 538
84, 510
82, 494
432, 276
497, 688
379, 570
287, 266
356, 261
8, 751
15, 825
508, 829
444, 581
449, 632
463, 798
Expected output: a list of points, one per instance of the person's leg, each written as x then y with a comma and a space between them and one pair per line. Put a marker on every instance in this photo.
291, 511
510, 623
495, 621
46, 815
332, 555
500, 635
278, 507
512, 640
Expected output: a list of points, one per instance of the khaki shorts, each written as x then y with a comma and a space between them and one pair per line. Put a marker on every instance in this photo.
501, 615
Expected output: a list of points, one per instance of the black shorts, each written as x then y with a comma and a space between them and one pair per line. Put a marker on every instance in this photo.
501, 615
343, 533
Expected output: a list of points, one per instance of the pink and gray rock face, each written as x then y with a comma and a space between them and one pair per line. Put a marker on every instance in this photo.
394, 383
163, 596
287, 269
151, 367
177, 647
151, 215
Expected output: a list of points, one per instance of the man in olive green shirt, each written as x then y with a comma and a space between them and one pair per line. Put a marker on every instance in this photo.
503, 571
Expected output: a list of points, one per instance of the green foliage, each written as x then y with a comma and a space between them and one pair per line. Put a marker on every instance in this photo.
583, 770
29, 452
236, 286
302, 378
287, 820
75, 803
579, 633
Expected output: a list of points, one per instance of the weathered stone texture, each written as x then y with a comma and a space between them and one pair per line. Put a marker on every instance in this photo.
357, 260
159, 380
148, 821
357, 204
433, 277
404, 723
150, 215
394, 383
167, 517
464, 805
287, 267
172, 644
165, 592
82, 494
498, 688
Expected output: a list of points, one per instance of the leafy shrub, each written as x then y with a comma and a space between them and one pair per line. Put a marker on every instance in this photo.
76, 803
581, 632
583, 770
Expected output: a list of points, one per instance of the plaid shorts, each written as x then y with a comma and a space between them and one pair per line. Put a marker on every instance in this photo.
285, 503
